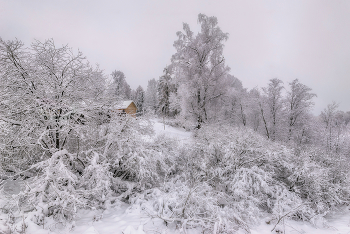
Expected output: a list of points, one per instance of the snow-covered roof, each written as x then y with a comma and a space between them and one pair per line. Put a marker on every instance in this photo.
123, 104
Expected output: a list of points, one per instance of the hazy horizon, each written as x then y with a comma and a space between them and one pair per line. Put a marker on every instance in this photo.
305, 40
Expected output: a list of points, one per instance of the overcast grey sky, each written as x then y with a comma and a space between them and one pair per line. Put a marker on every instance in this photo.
308, 40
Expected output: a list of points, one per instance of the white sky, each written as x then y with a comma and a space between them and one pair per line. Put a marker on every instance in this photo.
308, 40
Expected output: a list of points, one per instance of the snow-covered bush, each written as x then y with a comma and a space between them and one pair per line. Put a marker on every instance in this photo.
237, 160
54, 191
134, 159
223, 180
256, 175
320, 178
181, 205
46, 96
211, 187
96, 181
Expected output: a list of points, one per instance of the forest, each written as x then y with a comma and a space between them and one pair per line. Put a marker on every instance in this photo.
253, 153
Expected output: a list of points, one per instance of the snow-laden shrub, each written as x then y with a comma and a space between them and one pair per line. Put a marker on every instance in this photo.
54, 191
223, 180
96, 181
183, 206
286, 206
235, 159
249, 170
258, 168
136, 161
320, 178
228, 178
247, 191
214, 187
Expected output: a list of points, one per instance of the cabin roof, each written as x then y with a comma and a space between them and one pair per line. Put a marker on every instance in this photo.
123, 104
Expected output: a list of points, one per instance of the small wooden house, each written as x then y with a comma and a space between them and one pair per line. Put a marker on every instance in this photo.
127, 107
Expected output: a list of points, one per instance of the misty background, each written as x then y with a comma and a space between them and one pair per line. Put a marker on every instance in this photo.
307, 40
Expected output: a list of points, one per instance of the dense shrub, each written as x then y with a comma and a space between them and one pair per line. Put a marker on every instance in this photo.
54, 191
223, 180
228, 178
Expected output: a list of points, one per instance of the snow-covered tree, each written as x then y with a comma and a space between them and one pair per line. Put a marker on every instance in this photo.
233, 99
254, 110
201, 67
298, 103
262, 105
151, 98
47, 93
164, 91
57, 129
274, 103
120, 88
240, 102
140, 99
335, 126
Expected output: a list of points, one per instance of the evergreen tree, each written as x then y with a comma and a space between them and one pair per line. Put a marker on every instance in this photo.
151, 97
164, 89
139, 99
120, 87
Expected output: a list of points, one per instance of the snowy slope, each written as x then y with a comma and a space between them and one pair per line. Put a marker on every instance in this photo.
177, 133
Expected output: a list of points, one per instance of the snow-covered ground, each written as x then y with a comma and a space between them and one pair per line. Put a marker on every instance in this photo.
335, 224
177, 133
132, 220
120, 219
125, 219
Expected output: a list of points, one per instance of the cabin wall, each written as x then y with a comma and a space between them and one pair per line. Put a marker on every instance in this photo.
131, 109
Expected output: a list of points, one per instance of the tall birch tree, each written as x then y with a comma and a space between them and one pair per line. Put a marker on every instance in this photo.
201, 65
298, 103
